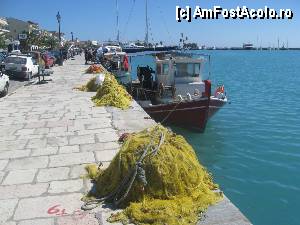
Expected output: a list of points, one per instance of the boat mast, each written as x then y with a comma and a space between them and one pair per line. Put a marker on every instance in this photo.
147, 25
118, 30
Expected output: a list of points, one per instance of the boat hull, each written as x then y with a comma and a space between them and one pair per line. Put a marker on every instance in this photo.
215, 105
189, 114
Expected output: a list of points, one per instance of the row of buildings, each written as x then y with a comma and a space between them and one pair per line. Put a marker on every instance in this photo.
14, 29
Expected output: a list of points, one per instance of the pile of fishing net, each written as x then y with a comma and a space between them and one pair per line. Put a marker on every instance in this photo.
111, 93
90, 86
155, 178
95, 69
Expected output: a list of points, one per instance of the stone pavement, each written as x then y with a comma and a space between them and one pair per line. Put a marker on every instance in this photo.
48, 133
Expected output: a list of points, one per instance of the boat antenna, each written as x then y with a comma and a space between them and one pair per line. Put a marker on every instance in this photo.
118, 30
147, 25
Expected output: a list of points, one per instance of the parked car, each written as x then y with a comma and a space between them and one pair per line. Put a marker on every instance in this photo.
56, 55
48, 59
4, 83
21, 66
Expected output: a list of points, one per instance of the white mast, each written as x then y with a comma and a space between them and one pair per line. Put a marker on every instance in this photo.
118, 30
147, 25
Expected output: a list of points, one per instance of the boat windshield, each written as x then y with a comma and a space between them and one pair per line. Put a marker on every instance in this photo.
187, 70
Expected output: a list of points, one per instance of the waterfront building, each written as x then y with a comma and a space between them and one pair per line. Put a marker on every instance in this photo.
3, 26
16, 27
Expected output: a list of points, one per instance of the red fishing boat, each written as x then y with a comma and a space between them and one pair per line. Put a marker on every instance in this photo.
175, 93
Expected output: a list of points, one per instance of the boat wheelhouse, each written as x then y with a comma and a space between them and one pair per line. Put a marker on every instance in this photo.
175, 93
114, 59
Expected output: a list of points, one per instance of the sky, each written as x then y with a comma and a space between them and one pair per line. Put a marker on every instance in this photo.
96, 20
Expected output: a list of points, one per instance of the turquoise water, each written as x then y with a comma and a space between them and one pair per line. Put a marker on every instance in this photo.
252, 146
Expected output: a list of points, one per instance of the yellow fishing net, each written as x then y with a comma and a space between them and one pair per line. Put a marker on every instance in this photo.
177, 187
111, 93
90, 86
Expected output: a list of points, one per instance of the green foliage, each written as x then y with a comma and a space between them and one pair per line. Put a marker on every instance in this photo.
51, 42
41, 40
2, 42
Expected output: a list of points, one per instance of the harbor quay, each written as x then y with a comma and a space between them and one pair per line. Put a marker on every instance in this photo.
48, 133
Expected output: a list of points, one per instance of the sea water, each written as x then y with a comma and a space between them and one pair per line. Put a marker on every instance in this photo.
252, 146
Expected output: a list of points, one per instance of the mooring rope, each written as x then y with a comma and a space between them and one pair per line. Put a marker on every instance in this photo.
169, 114
121, 192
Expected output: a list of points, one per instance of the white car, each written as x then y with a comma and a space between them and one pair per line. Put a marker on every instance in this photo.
21, 66
4, 84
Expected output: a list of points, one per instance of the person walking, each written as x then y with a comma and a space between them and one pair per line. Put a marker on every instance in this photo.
86, 53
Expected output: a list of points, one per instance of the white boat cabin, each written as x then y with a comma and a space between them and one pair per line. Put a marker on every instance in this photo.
183, 73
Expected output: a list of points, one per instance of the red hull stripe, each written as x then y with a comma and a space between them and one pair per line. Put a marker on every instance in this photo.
183, 109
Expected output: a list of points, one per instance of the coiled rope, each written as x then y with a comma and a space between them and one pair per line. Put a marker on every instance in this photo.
121, 192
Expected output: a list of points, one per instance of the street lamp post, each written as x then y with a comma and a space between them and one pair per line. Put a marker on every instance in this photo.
58, 17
